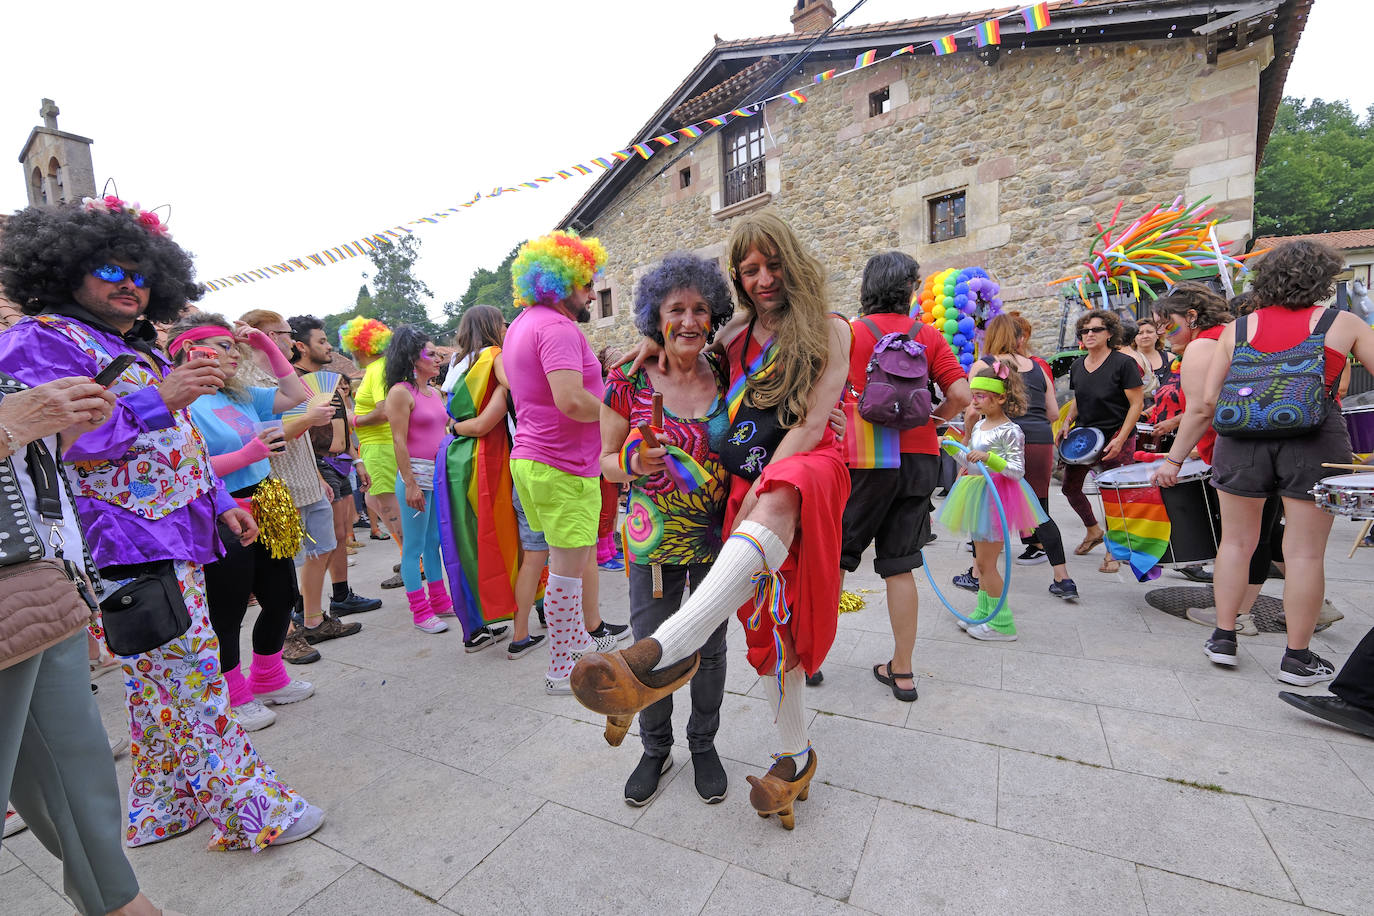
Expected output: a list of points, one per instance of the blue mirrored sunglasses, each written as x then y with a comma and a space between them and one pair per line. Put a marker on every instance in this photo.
113, 273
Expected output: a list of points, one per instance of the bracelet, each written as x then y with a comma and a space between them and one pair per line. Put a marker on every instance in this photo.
1177, 464
11, 443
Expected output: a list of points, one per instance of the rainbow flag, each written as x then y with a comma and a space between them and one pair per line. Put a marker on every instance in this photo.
684, 470
944, 45
909, 49
621, 155
477, 530
691, 133
1037, 17
822, 77
1137, 528
867, 445
988, 33
744, 112
604, 163
715, 122
864, 59
757, 368
643, 149
581, 170
795, 97
666, 139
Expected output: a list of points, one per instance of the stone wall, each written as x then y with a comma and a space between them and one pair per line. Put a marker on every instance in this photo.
1043, 143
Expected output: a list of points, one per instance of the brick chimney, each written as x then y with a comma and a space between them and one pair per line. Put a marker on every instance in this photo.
812, 16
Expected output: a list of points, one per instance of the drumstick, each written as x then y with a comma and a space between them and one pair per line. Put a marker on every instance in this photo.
658, 410
1346, 467
650, 440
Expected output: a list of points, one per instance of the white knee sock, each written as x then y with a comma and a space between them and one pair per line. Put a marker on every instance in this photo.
725, 588
567, 633
791, 715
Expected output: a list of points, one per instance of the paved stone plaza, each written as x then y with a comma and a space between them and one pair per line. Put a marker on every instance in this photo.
1099, 765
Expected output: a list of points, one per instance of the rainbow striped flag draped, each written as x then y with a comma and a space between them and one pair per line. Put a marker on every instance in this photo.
867, 445
1137, 528
477, 529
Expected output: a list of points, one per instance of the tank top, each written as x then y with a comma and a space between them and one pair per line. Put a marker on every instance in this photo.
1281, 328
427, 422
1035, 423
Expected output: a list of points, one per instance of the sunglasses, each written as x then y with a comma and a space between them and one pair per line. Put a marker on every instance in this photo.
1096, 330
113, 273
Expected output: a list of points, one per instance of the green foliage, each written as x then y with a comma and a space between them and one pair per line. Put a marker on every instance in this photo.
1318, 170
487, 287
361, 306
398, 295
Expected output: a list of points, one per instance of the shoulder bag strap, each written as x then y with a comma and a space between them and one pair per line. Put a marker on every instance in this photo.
872, 329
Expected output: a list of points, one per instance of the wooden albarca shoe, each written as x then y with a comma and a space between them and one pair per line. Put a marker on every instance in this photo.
620, 684
780, 787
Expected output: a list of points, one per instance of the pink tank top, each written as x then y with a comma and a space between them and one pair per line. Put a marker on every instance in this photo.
427, 422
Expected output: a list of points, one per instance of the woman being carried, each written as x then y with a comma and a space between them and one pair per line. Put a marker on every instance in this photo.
787, 370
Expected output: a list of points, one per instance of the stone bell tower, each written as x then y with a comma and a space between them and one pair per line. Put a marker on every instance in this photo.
812, 16
57, 165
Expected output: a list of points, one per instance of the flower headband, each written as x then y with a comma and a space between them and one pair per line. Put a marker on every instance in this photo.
112, 204
200, 332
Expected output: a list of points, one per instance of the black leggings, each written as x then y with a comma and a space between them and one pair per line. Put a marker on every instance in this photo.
1270, 545
241, 572
1047, 536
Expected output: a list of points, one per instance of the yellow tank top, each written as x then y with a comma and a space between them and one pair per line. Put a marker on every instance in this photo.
371, 392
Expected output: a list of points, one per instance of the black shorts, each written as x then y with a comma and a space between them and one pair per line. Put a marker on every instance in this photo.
891, 506
337, 482
1258, 468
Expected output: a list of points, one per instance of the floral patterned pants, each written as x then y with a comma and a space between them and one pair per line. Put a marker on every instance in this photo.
191, 760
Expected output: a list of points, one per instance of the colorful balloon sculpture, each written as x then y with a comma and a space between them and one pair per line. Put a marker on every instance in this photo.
958, 304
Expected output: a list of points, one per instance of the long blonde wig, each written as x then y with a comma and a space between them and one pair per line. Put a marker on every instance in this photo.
801, 336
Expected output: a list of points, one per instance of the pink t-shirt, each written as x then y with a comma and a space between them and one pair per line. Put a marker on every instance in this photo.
543, 340
427, 423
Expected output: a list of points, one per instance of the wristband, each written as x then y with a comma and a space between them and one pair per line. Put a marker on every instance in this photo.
1177, 464
625, 457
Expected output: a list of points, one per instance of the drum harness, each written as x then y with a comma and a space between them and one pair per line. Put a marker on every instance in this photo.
1006, 546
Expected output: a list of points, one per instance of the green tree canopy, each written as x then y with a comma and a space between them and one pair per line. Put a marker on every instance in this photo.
1318, 170
487, 287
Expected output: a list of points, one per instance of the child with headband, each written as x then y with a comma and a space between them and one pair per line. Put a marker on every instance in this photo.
970, 508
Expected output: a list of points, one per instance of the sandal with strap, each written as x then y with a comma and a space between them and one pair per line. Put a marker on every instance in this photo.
906, 695
1089, 542
780, 788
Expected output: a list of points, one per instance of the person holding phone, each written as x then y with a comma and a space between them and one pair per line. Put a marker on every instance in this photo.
242, 429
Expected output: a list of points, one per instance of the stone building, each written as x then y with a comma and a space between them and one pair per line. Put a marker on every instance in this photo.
1001, 157
57, 164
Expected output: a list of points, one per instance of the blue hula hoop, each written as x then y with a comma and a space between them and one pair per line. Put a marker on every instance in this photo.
1006, 548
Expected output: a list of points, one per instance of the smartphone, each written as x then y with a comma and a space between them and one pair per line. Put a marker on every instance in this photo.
203, 353
111, 373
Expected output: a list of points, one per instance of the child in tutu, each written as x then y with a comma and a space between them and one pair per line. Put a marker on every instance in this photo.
998, 393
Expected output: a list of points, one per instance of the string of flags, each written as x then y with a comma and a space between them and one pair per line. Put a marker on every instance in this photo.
1035, 16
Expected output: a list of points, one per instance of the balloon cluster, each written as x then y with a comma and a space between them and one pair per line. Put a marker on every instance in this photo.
958, 304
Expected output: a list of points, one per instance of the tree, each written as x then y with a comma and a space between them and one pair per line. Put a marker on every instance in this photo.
362, 306
398, 296
1318, 170
487, 287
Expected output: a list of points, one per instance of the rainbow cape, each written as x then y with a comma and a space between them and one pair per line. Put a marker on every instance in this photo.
477, 529
1137, 529
686, 472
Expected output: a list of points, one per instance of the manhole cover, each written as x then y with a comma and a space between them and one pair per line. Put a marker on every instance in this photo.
1179, 599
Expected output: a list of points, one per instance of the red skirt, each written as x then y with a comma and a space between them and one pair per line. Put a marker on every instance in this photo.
811, 572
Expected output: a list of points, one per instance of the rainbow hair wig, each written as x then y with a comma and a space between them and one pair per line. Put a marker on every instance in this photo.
549, 268
359, 336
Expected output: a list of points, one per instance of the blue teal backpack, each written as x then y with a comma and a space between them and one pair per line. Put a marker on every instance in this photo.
1275, 395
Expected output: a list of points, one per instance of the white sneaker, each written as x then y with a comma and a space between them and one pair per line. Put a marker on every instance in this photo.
432, 625
558, 686
13, 822
253, 716
985, 632
293, 692
305, 825
961, 623
118, 745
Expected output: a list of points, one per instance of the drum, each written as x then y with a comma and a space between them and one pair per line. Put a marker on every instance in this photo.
1359, 419
1082, 445
1349, 495
1191, 509
1147, 440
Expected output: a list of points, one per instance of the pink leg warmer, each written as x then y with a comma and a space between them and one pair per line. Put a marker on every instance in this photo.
267, 673
605, 549
439, 602
420, 611
239, 691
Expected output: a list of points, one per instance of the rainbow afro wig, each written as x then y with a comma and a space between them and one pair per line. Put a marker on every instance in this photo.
549, 268
359, 336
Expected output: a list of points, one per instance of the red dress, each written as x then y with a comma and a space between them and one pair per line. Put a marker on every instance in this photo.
811, 572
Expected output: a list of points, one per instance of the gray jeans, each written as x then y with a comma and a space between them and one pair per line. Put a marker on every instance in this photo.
647, 613
56, 769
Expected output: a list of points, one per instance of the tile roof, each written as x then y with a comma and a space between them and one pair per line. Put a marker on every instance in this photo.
1344, 240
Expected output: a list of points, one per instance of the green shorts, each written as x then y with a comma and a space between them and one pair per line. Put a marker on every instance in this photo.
565, 507
380, 460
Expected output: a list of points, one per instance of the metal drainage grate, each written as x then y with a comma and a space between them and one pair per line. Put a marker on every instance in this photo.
1179, 599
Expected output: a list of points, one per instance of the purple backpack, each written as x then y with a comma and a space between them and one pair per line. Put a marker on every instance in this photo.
897, 382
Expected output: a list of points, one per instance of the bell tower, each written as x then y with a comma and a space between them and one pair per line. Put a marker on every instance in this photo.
57, 165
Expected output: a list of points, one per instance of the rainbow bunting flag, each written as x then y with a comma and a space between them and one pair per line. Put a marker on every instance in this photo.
604, 163
690, 133
582, 169
563, 173
1137, 529
795, 97
909, 49
621, 155
943, 46
684, 470
666, 139
744, 112
643, 149
478, 537
715, 122
864, 59
988, 33
1037, 17
822, 77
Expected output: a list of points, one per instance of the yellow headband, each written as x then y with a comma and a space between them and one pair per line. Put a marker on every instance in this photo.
995, 385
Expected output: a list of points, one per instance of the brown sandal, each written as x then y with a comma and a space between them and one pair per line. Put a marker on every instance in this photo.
620, 684
1109, 565
1088, 544
776, 792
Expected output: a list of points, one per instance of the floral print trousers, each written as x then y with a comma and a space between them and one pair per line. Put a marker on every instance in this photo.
191, 760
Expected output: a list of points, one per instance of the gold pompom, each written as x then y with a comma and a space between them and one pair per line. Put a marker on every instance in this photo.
850, 602
279, 524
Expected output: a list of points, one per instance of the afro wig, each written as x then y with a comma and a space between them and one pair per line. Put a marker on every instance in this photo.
46, 252
681, 270
548, 269
359, 336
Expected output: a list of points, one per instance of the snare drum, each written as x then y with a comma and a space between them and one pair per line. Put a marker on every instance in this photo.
1082, 445
1349, 495
1147, 440
1191, 507
1359, 420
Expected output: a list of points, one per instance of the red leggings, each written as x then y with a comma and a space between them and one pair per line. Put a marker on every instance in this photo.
1075, 474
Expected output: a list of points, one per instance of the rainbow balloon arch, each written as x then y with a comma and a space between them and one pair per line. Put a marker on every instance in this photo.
958, 303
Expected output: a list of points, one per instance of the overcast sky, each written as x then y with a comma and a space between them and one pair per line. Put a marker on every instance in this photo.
277, 129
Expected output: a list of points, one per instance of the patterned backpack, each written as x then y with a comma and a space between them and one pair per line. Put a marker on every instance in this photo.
1275, 395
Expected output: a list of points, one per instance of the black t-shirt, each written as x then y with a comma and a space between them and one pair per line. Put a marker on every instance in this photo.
1101, 394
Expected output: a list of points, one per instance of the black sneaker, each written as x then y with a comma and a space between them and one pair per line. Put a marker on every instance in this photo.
1064, 589
362, 523
1304, 674
1222, 651
814, 680
967, 581
524, 646
621, 631
487, 636
1195, 573
643, 783
1032, 556
354, 604
709, 776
